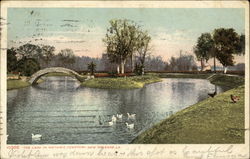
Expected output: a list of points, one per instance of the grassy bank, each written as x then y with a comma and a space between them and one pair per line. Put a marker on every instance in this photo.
214, 120
16, 84
230, 81
121, 82
183, 75
227, 80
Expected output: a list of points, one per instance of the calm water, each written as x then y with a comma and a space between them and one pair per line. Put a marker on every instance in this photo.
65, 113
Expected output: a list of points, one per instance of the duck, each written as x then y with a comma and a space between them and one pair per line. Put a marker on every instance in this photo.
130, 126
36, 136
234, 98
212, 94
111, 123
114, 118
131, 116
119, 116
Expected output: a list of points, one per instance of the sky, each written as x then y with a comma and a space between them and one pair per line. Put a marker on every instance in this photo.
82, 29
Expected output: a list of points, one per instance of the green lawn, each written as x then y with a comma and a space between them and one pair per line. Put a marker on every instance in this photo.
15, 84
121, 82
183, 75
227, 80
214, 120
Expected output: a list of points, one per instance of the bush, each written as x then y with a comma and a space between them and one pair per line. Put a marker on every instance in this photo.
28, 66
138, 69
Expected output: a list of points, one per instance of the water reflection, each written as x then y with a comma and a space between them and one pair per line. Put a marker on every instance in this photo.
63, 112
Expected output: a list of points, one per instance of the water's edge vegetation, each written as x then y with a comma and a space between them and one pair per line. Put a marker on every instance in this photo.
121, 82
213, 120
19, 83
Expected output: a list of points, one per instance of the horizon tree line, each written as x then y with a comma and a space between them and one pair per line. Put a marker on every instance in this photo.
222, 44
128, 48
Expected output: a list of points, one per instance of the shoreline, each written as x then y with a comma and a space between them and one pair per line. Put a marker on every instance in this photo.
133, 82
211, 121
19, 83
136, 82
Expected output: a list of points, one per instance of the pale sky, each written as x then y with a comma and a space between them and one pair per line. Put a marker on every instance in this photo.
82, 29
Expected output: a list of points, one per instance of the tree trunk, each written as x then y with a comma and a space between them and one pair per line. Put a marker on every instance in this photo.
201, 64
122, 67
225, 69
214, 65
132, 64
118, 69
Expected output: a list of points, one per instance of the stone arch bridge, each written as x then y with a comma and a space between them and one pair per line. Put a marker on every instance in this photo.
33, 79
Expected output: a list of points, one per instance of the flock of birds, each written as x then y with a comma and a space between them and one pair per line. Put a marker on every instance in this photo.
114, 119
118, 117
234, 98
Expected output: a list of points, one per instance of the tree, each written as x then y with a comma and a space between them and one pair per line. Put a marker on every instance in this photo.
121, 41
241, 45
182, 63
66, 57
29, 51
154, 63
28, 66
47, 52
203, 48
226, 43
143, 48
92, 67
11, 60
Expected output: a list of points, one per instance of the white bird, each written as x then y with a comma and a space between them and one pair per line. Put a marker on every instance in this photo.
130, 126
111, 123
131, 116
36, 137
119, 116
114, 118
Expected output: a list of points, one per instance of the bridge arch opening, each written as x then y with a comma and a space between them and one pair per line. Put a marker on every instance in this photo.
34, 78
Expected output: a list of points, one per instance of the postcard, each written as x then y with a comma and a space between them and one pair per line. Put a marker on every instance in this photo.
124, 79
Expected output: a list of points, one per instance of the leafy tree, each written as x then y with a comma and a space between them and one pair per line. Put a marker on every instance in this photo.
226, 43
92, 67
203, 48
47, 52
11, 60
66, 57
121, 41
28, 66
142, 48
241, 45
29, 51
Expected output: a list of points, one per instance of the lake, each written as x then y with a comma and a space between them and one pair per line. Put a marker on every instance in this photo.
63, 112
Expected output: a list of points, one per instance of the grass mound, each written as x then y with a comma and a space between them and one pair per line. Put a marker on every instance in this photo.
14, 84
121, 82
184, 75
212, 121
18, 83
227, 80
